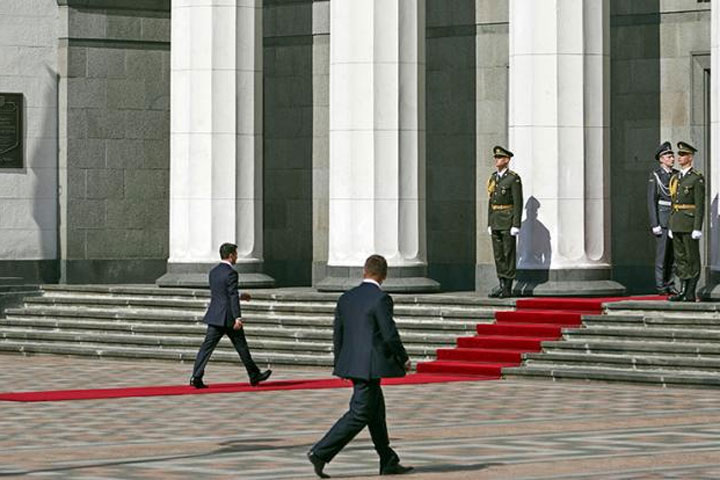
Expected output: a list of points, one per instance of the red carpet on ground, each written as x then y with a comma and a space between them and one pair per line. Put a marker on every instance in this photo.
503, 343
480, 357
151, 391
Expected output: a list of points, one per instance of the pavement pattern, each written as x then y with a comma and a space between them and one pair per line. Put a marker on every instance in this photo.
467, 430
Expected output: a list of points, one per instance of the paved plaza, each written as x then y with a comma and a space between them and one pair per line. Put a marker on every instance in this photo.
468, 430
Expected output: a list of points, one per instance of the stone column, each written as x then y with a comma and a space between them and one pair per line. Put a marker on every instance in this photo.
559, 132
712, 289
377, 142
216, 139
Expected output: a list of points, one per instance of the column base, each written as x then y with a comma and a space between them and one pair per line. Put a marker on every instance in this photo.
400, 280
711, 291
195, 275
567, 283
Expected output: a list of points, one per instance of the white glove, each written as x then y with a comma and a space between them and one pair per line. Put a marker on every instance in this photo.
657, 231
514, 231
489, 230
696, 234
670, 233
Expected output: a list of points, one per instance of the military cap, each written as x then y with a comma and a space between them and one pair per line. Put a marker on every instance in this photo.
684, 147
665, 147
499, 151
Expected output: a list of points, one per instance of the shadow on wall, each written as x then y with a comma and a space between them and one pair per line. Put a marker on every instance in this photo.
534, 250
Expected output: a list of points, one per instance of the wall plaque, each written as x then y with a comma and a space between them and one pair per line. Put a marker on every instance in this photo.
11, 130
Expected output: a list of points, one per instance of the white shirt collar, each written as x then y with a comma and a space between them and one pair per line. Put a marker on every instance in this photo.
684, 171
502, 172
226, 262
370, 280
667, 169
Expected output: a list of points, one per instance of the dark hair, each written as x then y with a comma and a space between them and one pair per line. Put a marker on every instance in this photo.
226, 249
376, 266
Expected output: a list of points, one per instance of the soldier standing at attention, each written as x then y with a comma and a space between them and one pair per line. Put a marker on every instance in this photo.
505, 201
659, 207
687, 191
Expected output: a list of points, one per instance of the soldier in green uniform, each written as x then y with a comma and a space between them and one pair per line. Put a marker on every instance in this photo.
687, 193
504, 216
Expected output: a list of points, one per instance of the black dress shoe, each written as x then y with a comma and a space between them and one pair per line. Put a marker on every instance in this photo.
395, 469
260, 377
197, 383
318, 464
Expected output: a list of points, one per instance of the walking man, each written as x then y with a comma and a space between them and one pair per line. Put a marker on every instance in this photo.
505, 202
659, 208
367, 347
687, 192
223, 317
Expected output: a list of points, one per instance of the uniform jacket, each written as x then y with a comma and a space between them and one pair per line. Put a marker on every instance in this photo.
505, 191
367, 343
658, 197
224, 299
688, 201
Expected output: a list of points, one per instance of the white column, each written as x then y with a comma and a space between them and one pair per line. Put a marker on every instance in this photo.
713, 181
216, 130
559, 131
377, 132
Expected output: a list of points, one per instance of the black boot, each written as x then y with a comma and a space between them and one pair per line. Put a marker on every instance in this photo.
495, 293
690, 289
506, 288
680, 296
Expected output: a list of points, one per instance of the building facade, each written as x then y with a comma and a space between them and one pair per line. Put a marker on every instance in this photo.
313, 133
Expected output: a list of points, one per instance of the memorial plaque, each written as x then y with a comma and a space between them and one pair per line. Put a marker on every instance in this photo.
11, 130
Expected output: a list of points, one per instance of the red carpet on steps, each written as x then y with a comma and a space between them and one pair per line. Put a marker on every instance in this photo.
152, 391
502, 344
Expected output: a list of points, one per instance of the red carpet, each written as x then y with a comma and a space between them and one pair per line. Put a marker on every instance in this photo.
503, 343
152, 391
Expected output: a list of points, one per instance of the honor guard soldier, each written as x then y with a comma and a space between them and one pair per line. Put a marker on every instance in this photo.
659, 207
687, 193
505, 201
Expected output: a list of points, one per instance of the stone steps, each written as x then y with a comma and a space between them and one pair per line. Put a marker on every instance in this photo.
282, 327
638, 342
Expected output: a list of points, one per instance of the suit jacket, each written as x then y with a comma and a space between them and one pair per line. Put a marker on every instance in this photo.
367, 343
505, 201
688, 200
659, 191
224, 299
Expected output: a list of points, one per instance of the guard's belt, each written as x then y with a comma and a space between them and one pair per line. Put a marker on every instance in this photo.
501, 207
684, 206
664, 203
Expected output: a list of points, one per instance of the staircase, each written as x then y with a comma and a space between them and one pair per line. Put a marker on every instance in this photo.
283, 326
653, 342
503, 344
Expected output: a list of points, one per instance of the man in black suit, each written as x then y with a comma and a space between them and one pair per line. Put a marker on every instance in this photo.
367, 348
223, 317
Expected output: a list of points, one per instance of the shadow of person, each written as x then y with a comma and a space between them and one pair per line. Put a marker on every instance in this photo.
534, 250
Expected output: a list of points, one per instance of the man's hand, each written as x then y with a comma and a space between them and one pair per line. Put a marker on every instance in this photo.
514, 231
245, 297
238, 324
670, 233
408, 365
657, 231
489, 230
696, 234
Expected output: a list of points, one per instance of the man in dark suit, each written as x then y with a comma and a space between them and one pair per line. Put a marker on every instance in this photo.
367, 348
223, 317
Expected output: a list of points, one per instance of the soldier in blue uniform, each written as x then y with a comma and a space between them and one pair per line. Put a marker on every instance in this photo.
659, 208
